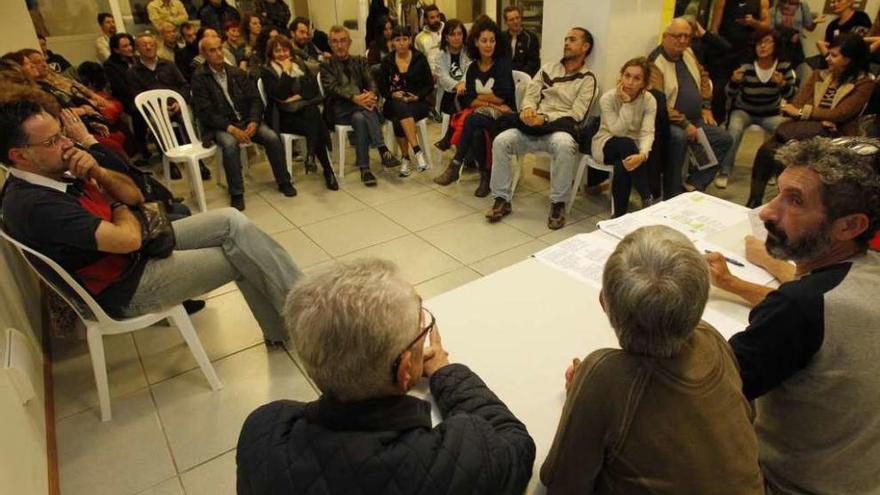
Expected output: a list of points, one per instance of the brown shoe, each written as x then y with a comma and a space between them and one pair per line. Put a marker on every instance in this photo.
499, 210
483, 189
557, 216
597, 189
449, 175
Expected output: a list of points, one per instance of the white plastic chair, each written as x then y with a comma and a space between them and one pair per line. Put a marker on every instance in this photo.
521, 81
153, 107
98, 323
287, 139
342, 131
422, 129
587, 161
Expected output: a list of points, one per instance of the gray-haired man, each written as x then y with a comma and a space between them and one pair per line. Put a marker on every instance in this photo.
360, 331
811, 354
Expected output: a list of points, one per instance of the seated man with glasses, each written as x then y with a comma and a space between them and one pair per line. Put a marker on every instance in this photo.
352, 99
810, 356
360, 330
678, 74
61, 202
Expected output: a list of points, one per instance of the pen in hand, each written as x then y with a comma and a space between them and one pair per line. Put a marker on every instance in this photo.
729, 260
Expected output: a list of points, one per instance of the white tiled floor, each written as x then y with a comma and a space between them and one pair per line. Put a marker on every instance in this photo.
170, 434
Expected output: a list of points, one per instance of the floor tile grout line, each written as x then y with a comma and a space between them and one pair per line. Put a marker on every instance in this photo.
196, 367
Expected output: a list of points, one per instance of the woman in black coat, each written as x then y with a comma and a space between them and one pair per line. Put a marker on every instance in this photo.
406, 82
292, 98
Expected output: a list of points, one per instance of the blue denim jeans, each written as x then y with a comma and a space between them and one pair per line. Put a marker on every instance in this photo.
564, 155
737, 123
230, 148
366, 127
214, 248
721, 144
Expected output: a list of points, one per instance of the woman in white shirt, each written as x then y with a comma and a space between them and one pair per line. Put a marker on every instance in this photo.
626, 134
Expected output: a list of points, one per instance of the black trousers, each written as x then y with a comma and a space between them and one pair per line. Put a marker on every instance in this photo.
307, 122
615, 150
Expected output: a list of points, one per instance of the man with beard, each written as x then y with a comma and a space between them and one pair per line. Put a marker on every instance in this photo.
810, 356
428, 41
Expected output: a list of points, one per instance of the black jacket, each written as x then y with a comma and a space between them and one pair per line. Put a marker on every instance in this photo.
215, 17
166, 76
527, 56
279, 88
419, 80
387, 445
210, 104
116, 68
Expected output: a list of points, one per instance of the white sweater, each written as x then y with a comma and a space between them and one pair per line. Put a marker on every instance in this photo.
634, 120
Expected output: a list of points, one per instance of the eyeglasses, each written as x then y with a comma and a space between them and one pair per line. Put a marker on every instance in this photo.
766, 41
48, 143
679, 36
427, 315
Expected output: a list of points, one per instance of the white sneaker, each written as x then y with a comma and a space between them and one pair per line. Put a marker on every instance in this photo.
404, 168
721, 181
421, 161
771, 181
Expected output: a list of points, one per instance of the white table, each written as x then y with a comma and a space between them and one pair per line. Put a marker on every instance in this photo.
520, 327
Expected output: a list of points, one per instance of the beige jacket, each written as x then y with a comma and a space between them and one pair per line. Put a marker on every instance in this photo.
847, 105
663, 78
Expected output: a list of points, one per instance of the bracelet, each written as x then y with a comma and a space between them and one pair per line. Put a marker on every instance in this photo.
116, 204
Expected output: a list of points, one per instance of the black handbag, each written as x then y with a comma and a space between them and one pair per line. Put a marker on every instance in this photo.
157, 234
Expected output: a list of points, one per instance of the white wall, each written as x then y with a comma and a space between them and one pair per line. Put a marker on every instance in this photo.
622, 29
16, 27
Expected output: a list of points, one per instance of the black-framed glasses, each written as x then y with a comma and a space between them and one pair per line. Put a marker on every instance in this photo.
425, 331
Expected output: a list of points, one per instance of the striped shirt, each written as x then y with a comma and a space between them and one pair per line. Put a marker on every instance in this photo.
760, 98
827, 100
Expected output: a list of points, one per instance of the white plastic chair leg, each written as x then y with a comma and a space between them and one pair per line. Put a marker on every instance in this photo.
99, 366
196, 184
341, 145
576, 185
423, 137
288, 152
181, 320
166, 169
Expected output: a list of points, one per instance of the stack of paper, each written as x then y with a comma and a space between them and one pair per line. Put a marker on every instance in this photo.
582, 256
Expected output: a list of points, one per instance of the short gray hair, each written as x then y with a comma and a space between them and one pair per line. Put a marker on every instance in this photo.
851, 183
349, 323
655, 286
338, 29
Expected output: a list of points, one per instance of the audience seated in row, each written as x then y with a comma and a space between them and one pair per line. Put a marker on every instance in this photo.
829, 103
525, 46
230, 112
292, 99
352, 98
488, 94
556, 100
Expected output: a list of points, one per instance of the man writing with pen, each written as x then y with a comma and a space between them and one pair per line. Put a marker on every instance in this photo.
810, 356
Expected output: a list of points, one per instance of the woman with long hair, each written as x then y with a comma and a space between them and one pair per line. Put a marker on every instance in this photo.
830, 101
626, 133
251, 27
489, 93
382, 43
292, 98
755, 92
